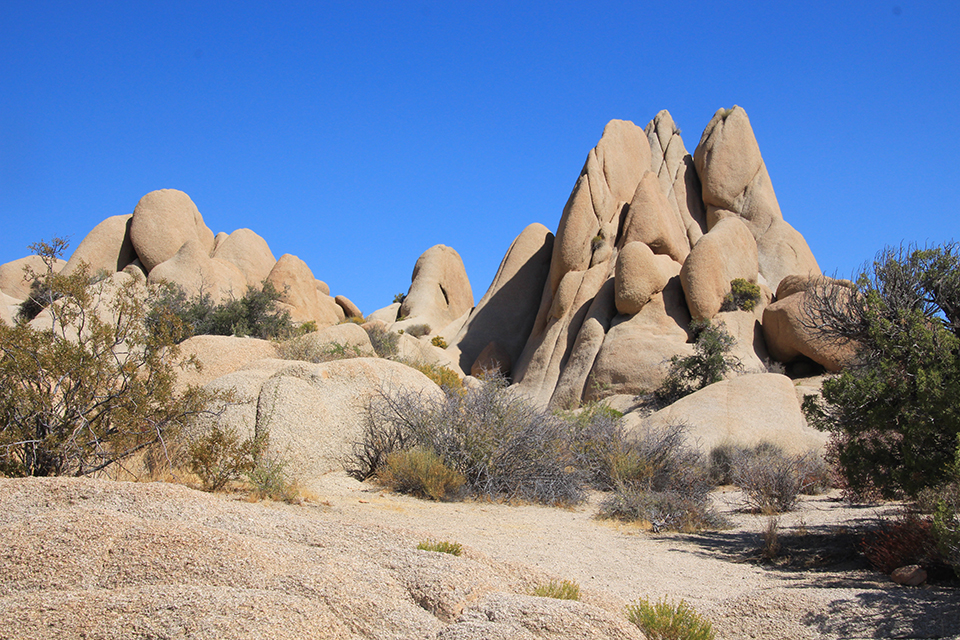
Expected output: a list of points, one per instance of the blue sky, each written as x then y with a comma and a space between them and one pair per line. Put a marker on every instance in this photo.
358, 134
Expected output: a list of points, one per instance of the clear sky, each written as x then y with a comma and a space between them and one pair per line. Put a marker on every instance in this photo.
356, 135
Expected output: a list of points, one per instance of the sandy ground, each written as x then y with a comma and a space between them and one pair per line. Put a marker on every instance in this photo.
716, 572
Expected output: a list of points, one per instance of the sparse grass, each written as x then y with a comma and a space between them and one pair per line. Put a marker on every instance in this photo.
558, 589
664, 620
440, 546
269, 478
308, 349
771, 539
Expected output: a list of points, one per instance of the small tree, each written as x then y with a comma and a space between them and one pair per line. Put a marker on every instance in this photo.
894, 415
96, 386
709, 363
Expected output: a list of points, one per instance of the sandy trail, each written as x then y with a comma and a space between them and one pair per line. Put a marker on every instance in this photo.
616, 563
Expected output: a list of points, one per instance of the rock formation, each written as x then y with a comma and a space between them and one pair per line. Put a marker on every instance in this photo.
650, 238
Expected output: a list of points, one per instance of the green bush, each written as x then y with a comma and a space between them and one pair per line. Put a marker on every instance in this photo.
894, 414
438, 341
710, 362
743, 295
440, 546
420, 472
256, 314
270, 478
220, 456
558, 589
400, 297
664, 620
87, 393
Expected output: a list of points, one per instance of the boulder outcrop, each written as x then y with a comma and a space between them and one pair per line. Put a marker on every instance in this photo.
439, 290
106, 248
249, 253
298, 290
744, 410
14, 281
163, 221
790, 326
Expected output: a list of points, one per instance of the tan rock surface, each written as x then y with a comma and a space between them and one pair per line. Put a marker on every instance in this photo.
439, 289
220, 355
9, 307
651, 220
13, 281
163, 221
192, 269
493, 358
640, 275
387, 314
249, 253
293, 278
107, 247
677, 174
735, 182
637, 349
790, 331
348, 336
727, 252
744, 410
350, 310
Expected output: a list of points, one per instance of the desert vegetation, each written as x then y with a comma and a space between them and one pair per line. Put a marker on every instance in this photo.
665, 620
710, 362
894, 414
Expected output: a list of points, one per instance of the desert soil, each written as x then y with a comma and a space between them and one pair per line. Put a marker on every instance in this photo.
808, 595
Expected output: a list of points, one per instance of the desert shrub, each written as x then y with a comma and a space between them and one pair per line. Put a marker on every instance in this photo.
441, 546
504, 446
418, 330
743, 295
221, 456
664, 620
446, 378
770, 479
438, 341
906, 540
255, 314
894, 414
306, 349
270, 478
420, 472
385, 342
353, 320
596, 441
87, 393
400, 297
770, 535
661, 480
558, 589
722, 460
709, 363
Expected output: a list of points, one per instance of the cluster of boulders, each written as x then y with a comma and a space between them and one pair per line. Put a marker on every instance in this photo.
650, 239
165, 239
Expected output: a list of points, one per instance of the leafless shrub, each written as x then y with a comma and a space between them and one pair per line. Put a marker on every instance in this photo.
418, 330
772, 481
505, 447
660, 479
